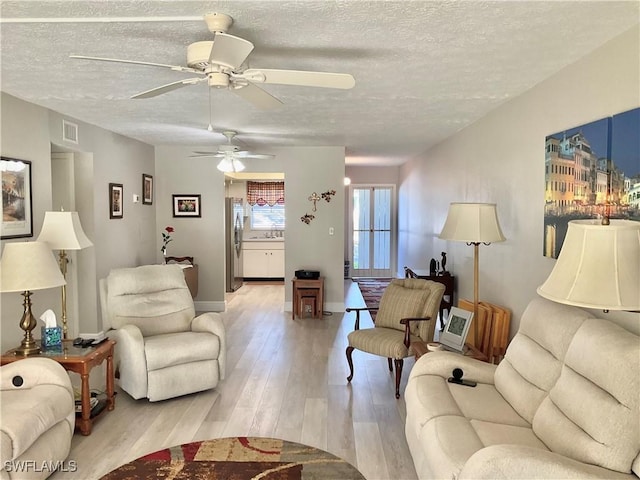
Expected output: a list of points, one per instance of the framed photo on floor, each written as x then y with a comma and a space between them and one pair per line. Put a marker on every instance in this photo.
17, 208
186, 206
147, 189
115, 200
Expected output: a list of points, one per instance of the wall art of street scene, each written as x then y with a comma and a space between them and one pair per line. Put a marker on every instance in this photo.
590, 171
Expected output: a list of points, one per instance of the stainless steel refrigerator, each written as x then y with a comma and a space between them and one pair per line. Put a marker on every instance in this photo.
233, 217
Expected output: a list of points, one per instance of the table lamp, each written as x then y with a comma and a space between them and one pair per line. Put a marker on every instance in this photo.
598, 266
25, 267
63, 231
473, 223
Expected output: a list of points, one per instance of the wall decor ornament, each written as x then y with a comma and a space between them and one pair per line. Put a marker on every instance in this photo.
314, 197
17, 209
327, 195
115, 200
307, 217
591, 171
186, 205
147, 189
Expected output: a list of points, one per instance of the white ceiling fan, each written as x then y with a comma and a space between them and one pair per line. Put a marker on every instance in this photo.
221, 63
231, 155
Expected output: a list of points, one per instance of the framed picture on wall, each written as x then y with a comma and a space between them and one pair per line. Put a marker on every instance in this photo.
17, 209
147, 189
186, 205
115, 200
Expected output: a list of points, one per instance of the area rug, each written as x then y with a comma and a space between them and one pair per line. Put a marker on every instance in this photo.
372, 290
238, 458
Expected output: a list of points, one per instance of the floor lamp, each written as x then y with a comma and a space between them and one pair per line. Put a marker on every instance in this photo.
473, 223
598, 266
63, 231
25, 267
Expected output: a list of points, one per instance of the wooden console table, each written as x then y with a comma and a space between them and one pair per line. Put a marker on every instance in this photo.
308, 290
80, 361
449, 282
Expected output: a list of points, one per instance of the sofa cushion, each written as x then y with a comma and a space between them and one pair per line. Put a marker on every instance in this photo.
155, 298
571, 420
28, 414
172, 349
545, 332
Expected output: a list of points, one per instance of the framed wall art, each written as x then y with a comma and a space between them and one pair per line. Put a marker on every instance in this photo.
186, 206
147, 189
17, 209
115, 200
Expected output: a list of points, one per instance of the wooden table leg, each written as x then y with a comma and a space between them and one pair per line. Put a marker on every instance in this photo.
111, 400
85, 423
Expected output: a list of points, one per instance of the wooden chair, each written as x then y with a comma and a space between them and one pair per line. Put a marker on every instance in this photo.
407, 312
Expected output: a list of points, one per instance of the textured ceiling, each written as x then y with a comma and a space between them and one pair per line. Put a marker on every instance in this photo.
423, 69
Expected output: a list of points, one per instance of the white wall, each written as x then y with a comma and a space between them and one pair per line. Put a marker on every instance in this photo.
501, 159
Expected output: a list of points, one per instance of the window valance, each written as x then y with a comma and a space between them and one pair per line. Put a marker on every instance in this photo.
265, 193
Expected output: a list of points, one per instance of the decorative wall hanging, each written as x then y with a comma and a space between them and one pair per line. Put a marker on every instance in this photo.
314, 198
17, 209
147, 189
186, 205
328, 194
116, 192
265, 193
591, 170
307, 217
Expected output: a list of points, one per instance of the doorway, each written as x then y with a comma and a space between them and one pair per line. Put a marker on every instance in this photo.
372, 230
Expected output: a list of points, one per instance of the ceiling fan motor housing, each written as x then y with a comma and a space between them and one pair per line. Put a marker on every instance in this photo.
218, 22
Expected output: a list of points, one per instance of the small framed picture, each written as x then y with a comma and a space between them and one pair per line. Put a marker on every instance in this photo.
147, 189
455, 331
115, 200
186, 206
17, 209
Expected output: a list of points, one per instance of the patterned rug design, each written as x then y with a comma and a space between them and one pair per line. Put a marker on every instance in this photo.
372, 289
238, 458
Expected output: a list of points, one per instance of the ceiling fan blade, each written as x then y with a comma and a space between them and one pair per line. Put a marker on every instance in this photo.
176, 68
154, 92
343, 81
258, 156
257, 96
206, 154
229, 51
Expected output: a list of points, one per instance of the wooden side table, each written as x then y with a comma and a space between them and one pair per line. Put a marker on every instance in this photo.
81, 361
304, 288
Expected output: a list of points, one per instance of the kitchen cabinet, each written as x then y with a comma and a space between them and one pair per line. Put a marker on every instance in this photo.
263, 259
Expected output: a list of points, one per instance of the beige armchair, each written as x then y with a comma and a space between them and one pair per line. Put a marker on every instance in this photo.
38, 417
163, 349
407, 313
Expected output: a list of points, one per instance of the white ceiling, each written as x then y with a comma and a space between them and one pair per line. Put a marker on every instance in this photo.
423, 69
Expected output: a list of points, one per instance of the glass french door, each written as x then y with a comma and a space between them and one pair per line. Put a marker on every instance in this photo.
372, 231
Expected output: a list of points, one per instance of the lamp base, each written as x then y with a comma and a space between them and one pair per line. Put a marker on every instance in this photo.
28, 346
26, 349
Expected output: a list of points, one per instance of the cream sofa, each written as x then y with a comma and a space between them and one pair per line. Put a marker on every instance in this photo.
564, 403
38, 417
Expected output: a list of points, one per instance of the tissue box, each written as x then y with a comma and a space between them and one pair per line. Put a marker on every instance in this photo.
51, 337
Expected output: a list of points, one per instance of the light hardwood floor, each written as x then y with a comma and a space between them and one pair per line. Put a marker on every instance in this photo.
286, 379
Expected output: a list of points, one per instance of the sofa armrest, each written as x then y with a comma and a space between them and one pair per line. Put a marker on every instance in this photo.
212, 322
130, 360
442, 364
34, 371
521, 462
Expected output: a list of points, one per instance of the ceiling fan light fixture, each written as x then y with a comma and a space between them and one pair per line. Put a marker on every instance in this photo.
229, 164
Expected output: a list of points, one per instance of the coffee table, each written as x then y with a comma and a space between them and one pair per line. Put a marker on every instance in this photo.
80, 361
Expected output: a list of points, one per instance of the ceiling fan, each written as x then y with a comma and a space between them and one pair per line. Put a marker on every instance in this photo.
231, 155
221, 63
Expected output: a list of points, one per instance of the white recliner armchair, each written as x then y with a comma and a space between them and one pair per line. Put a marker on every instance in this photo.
37, 409
163, 350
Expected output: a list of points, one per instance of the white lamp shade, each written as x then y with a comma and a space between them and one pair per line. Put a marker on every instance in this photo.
29, 266
598, 266
472, 223
230, 164
63, 231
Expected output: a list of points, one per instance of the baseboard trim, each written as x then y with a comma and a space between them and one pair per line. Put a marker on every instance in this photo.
209, 306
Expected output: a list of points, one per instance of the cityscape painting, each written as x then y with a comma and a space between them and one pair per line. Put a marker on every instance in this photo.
591, 171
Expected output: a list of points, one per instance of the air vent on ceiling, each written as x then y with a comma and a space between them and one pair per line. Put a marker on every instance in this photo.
69, 132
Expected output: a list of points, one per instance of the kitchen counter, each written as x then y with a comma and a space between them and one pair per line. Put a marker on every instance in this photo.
263, 239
